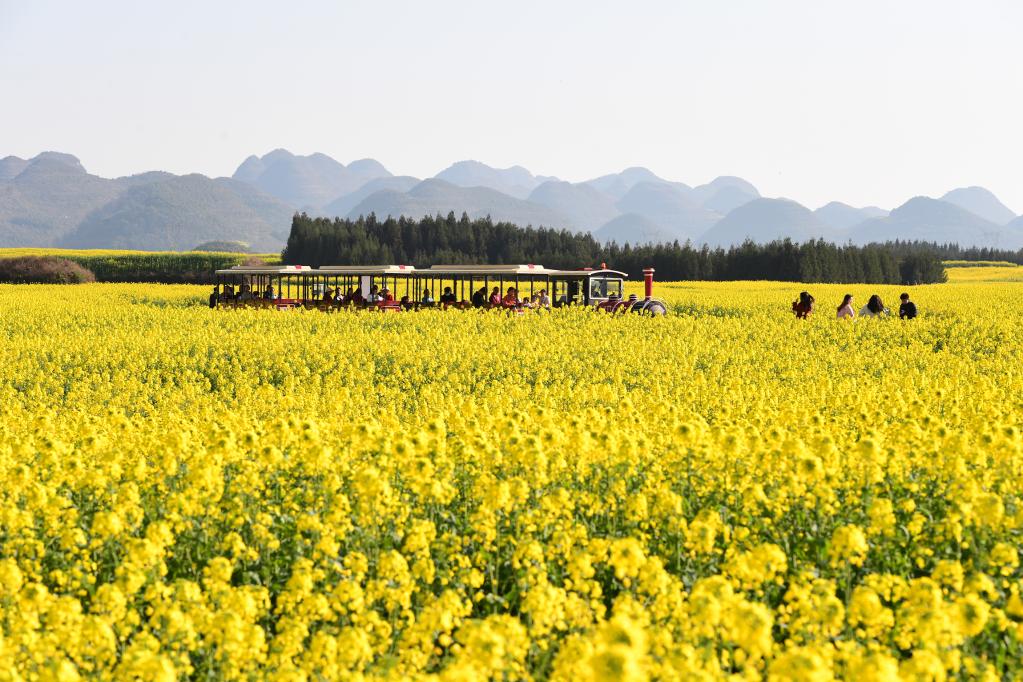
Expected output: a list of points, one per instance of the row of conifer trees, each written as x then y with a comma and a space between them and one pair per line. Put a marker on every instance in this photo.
433, 240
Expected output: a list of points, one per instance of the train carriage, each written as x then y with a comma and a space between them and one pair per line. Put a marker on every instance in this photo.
404, 287
246, 285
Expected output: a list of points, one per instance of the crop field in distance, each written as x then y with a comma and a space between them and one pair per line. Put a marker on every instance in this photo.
722, 493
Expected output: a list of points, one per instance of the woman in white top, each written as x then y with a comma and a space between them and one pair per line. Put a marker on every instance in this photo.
874, 308
845, 311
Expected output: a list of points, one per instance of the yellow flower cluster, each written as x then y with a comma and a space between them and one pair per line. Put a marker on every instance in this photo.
722, 493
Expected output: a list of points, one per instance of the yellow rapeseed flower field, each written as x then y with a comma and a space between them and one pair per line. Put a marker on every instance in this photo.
722, 493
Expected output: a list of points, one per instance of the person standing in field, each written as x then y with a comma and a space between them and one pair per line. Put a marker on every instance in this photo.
215, 296
874, 308
907, 309
804, 306
845, 311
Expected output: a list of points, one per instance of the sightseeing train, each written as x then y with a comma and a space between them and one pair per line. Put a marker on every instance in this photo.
393, 288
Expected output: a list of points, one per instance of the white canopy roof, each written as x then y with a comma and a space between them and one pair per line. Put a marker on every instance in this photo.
366, 269
267, 270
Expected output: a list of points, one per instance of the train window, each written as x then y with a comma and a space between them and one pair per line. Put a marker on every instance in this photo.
605, 288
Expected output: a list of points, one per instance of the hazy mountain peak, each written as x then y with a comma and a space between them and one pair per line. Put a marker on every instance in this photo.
842, 216
11, 166
764, 220
514, 181
982, 202
724, 193
276, 155
585, 206
306, 182
56, 160
618, 184
928, 219
369, 168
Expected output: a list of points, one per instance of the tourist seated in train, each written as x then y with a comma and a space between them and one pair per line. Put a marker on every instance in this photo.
511, 299
427, 298
386, 296
495, 297
406, 302
543, 300
245, 294
328, 296
374, 295
269, 294
448, 297
479, 297
355, 296
339, 298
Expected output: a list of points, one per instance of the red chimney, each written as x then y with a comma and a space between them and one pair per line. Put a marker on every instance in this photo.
648, 282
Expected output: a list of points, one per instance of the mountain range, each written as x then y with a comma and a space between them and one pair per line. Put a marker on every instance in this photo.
51, 200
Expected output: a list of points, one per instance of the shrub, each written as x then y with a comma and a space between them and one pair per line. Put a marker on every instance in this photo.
43, 270
224, 247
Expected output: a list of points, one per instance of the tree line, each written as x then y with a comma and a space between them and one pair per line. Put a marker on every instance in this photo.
435, 240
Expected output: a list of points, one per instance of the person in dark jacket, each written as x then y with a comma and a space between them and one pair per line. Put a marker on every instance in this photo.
479, 299
215, 296
907, 309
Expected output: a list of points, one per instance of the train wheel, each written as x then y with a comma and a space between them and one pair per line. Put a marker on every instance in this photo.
655, 307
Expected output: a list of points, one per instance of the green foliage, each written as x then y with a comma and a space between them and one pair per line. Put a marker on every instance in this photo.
224, 247
437, 239
43, 270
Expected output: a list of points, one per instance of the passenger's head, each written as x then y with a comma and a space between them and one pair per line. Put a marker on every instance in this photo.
374, 289
447, 290
904, 297
495, 290
511, 290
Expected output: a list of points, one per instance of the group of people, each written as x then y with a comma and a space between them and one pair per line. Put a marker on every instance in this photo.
382, 295
244, 293
875, 307
511, 299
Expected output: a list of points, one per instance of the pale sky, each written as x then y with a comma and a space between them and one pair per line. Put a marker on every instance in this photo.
862, 101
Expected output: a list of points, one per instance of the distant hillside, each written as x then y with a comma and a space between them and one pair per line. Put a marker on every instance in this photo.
48, 199
342, 206
727, 199
515, 181
933, 220
841, 216
180, 212
670, 207
730, 185
766, 220
432, 197
306, 182
617, 185
11, 166
632, 228
981, 202
585, 207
